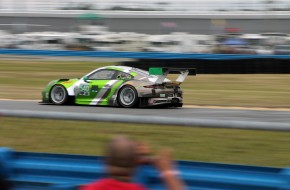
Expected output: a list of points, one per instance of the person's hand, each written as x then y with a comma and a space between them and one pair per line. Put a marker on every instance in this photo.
168, 173
163, 161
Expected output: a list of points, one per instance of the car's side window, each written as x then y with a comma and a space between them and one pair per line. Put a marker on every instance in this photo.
124, 76
105, 74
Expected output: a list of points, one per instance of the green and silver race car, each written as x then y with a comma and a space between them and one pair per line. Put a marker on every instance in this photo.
119, 86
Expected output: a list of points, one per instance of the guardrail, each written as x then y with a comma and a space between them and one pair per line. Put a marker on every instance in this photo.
139, 55
192, 122
47, 171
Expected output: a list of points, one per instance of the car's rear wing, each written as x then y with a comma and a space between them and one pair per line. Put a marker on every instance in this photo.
162, 72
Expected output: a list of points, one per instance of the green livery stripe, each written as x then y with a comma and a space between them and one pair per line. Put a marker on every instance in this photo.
112, 92
106, 92
133, 74
115, 68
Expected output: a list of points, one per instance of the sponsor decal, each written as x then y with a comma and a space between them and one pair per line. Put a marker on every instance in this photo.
162, 95
84, 90
95, 88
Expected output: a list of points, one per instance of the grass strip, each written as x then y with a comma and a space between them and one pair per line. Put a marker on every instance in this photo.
266, 148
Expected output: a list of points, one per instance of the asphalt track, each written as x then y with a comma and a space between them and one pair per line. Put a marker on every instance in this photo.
227, 114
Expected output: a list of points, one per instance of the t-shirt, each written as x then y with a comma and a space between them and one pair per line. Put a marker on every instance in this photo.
112, 184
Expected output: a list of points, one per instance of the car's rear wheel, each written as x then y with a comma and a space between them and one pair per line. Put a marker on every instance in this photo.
128, 97
58, 95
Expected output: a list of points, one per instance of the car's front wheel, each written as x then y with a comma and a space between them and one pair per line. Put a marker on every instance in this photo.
128, 97
58, 95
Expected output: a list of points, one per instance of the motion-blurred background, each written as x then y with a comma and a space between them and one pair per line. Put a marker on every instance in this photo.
209, 26
249, 87
238, 48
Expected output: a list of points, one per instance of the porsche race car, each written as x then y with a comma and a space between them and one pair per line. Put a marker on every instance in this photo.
119, 86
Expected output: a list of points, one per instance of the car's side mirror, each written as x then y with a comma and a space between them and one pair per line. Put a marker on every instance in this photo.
86, 78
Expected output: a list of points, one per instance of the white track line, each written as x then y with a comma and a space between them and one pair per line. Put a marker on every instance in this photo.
19, 100
238, 108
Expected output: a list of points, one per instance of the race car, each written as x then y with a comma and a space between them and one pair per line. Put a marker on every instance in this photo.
119, 86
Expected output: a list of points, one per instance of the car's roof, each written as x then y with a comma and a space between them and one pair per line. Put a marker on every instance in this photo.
119, 67
123, 68
140, 73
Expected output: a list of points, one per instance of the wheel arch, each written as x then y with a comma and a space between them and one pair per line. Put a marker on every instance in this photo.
71, 98
126, 84
119, 91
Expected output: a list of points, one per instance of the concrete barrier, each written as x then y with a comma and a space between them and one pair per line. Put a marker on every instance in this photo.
191, 122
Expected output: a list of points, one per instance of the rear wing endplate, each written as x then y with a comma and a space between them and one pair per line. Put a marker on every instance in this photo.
162, 72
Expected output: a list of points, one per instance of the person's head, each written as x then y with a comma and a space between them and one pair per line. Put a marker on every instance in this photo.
121, 156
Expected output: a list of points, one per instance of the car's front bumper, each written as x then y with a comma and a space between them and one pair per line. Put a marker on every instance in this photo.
45, 97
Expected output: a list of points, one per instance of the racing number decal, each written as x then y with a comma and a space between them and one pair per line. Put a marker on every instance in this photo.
84, 90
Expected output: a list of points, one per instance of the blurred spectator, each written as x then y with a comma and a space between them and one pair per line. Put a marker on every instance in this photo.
123, 156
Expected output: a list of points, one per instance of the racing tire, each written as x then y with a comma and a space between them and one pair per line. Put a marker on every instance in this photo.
58, 95
128, 97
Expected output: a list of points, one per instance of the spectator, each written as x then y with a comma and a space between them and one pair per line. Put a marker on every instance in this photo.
123, 156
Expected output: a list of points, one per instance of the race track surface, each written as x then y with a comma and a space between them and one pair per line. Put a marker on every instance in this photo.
200, 113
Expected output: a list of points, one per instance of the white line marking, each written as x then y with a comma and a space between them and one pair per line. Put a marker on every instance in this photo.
237, 108
19, 100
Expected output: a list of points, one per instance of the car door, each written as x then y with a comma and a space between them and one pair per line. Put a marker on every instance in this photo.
95, 87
